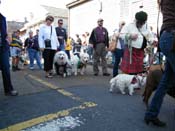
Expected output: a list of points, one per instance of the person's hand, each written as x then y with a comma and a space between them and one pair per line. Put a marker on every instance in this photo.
107, 49
134, 36
117, 35
42, 49
90, 45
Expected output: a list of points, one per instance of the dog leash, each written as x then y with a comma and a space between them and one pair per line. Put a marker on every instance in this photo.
158, 35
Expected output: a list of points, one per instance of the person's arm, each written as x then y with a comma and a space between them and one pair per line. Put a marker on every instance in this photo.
65, 35
91, 38
55, 38
127, 33
41, 39
106, 37
150, 36
26, 43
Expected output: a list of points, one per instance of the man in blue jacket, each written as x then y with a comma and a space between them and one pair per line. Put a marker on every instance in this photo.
4, 58
61, 34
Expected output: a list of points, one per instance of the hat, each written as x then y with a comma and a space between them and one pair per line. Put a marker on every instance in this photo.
100, 19
141, 16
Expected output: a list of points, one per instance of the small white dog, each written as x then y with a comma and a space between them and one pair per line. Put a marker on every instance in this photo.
61, 63
79, 63
122, 81
23, 59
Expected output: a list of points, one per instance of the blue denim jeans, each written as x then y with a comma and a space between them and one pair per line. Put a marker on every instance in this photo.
34, 54
61, 47
5, 68
118, 54
166, 43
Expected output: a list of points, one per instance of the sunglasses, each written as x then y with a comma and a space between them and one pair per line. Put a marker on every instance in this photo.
50, 19
60, 23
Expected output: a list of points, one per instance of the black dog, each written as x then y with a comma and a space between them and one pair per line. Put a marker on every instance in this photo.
61, 69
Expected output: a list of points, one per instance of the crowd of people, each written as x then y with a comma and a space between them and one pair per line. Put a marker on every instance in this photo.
131, 40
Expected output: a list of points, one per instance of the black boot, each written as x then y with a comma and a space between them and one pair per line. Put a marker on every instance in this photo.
13, 68
11, 93
17, 68
155, 121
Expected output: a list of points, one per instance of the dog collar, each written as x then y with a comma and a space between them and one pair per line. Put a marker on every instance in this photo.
138, 80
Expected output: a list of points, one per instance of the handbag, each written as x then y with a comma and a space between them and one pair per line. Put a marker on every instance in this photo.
113, 43
48, 41
144, 43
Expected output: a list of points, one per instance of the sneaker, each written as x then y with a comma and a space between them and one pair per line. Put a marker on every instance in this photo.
11, 93
49, 76
13, 68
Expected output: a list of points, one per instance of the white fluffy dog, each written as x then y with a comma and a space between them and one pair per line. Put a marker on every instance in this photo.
79, 63
122, 81
61, 63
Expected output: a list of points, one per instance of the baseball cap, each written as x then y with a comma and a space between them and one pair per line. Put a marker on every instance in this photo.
99, 20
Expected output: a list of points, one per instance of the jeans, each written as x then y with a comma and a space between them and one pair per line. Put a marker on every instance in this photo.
118, 54
61, 47
34, 54
68, 54
90, 52
5, 68
166, 42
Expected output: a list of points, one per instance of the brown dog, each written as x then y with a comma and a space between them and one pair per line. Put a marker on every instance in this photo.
152, 82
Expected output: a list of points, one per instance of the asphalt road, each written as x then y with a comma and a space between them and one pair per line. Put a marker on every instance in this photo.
75, 103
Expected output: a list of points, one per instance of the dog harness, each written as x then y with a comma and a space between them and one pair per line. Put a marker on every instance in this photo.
80, 65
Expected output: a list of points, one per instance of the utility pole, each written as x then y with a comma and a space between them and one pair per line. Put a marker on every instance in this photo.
101, 6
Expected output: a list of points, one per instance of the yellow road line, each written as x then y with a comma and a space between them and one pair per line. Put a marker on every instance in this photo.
35, 121
60, 90
43, 82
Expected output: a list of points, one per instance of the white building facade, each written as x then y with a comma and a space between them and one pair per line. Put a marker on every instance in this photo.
83, 14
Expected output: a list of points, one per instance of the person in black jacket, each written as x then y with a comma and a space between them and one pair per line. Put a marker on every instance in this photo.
61, 35
4, 58
32, 46
100, 41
